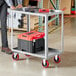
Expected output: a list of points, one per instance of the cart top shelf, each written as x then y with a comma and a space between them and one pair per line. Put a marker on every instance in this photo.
34, 11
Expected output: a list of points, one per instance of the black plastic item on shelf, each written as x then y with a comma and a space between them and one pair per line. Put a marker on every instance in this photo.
31, 9
32, 42
21, 21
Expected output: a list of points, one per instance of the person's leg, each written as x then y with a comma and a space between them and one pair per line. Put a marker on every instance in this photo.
4, 25
4, 29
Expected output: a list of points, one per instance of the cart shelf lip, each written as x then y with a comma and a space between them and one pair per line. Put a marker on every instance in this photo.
56, 12
51, 52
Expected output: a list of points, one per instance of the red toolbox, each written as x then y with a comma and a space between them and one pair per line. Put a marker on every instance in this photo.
31, 41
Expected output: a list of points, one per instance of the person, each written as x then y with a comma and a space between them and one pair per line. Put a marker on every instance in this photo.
3, 17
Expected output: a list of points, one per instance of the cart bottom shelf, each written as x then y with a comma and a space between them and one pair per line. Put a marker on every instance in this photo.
51, 52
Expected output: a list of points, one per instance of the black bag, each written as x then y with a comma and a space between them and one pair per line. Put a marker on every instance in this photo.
2, 2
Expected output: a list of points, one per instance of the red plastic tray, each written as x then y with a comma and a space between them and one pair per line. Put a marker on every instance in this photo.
30, 36
43, 10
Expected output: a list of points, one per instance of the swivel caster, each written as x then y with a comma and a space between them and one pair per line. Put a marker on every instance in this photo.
57, 59
15, 56
45, 63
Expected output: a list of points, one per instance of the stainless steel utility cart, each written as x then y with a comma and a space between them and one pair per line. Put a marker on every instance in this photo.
48, 52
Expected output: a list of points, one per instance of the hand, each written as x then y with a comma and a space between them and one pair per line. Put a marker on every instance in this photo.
13, 7
19, 6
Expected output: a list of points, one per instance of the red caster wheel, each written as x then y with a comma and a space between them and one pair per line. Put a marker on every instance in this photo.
15, 56
57, 59
45, 63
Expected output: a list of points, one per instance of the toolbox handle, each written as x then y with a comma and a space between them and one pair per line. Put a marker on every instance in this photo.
24, 36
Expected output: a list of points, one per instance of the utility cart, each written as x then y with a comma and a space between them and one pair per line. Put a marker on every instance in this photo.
47, 52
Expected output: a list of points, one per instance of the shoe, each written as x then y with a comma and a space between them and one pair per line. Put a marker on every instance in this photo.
7, 50
2, 50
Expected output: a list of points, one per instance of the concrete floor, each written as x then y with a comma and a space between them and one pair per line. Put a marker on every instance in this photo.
32, 66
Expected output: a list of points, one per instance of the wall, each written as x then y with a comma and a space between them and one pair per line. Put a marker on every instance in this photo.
67, 5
